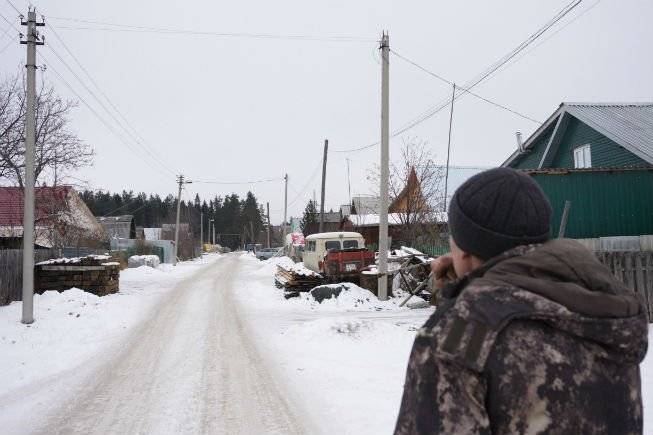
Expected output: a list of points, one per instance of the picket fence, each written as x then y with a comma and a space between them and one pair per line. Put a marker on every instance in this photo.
635, 270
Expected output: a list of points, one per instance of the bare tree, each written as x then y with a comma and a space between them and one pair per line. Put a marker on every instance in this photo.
58, 150
415, 189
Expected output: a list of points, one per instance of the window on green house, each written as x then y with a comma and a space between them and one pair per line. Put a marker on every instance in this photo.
582, 157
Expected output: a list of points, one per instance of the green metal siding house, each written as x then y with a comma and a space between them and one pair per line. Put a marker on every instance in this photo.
599, 157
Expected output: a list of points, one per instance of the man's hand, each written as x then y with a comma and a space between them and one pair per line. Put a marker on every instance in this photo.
443, 271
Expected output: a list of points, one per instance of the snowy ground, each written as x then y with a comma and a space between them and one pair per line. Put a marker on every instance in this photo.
41, 362
210, 346
344, 359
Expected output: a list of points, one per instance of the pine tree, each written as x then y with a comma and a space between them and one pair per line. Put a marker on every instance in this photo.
309, 217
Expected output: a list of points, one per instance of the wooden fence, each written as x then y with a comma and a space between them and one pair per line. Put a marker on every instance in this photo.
633, 268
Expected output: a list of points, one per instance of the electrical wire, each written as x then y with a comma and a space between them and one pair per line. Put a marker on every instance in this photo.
13, 6
487, 100
115, 119
100, 118
267, 180
170, 30
6, 46
9, 22
432, 111
563, 27
308, 183
136, 137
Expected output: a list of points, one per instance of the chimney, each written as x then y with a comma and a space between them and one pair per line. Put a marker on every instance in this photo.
520, 144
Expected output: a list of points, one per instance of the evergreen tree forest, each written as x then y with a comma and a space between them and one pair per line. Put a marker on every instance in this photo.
231, 215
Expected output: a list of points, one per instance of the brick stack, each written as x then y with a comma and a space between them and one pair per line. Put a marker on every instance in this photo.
96, 274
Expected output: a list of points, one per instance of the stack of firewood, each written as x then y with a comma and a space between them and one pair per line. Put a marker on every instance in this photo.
296, 278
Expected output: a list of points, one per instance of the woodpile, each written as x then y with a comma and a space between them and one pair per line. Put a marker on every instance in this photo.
96, 274
296, 278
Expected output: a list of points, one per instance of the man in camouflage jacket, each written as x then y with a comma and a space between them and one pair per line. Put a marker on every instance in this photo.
535, 338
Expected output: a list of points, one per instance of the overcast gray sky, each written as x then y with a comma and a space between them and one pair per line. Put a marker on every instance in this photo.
234, 109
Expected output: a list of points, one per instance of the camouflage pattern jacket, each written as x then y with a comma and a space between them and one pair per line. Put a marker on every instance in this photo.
541, 339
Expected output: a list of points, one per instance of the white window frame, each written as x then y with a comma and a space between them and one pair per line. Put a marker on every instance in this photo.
583, 156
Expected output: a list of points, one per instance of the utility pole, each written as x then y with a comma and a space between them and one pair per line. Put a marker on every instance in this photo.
32, 41
324, 163
348, 183
201, 232
285, 210
268, 206
180, 180
446, 173
385, 163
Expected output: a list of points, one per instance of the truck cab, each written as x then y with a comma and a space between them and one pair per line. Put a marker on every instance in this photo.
337, 254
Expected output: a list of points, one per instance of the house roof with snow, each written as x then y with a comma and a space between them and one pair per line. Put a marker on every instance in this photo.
373, 220
119, 227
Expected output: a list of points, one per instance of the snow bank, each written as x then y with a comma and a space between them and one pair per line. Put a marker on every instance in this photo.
351, 298
143, 260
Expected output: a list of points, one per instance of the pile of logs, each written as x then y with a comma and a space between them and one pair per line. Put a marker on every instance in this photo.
296, 278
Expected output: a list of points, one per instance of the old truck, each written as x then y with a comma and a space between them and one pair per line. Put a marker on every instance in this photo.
337, 256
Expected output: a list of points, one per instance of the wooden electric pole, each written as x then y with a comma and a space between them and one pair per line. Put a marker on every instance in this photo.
285, 210
446, 173
324, 165
268, 216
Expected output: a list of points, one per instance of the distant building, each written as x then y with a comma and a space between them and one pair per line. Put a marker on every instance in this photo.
62, 219
365, 205
152, 233
332, 222
119, 227
599, 157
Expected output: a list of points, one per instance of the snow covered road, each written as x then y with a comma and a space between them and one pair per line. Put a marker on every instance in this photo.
190, 368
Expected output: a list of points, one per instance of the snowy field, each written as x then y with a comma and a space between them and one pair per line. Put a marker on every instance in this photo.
341, 364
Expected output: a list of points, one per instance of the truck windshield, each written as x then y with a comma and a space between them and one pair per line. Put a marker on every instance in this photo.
332, 245
349, 244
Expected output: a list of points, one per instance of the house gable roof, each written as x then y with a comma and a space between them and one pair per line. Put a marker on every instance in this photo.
47, 200
627, 124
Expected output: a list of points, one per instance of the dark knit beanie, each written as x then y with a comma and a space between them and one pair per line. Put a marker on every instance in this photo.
497, 210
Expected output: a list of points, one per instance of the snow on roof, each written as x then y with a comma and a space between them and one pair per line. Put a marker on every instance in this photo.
334, 235
372, 220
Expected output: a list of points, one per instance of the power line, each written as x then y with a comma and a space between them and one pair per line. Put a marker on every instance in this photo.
6, 46
430, 112
308, 183
136, 137
9, 22
487, 100
267, 180
95, 97
13, 6
93, 111
97, 115
117, 27
563, 27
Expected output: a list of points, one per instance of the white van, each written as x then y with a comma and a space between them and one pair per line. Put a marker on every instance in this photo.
318, 245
